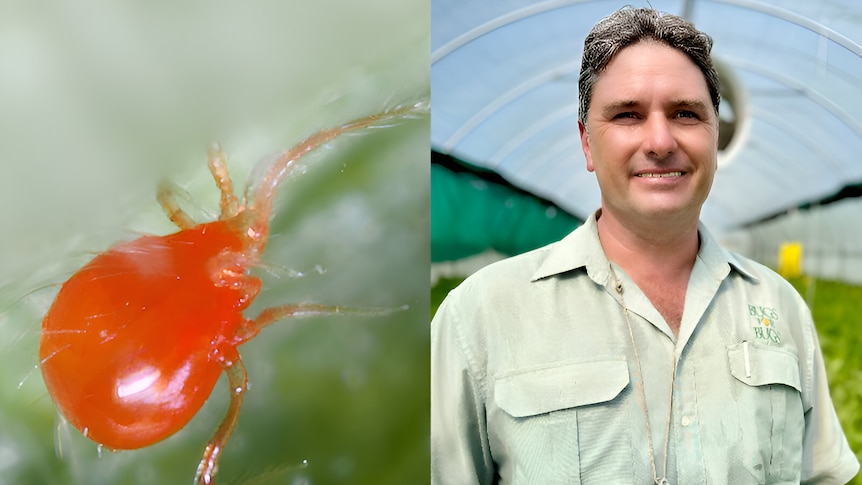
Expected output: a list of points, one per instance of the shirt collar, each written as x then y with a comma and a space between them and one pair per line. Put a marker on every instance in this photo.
582, 249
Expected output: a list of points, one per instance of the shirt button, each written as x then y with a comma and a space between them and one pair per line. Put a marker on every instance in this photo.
685, 421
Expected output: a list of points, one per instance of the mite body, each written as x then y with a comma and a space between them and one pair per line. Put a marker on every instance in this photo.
136, 339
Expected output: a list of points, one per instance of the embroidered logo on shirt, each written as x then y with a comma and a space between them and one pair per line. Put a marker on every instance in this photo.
765, 328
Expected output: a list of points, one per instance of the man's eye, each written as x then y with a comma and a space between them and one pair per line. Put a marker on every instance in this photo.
626, 114
688, 114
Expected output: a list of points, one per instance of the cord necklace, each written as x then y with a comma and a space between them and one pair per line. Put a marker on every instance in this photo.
643, 402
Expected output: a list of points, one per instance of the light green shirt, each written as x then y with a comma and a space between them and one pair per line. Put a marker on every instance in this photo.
534, 380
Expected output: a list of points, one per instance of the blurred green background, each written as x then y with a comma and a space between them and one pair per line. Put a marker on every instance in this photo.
101, 101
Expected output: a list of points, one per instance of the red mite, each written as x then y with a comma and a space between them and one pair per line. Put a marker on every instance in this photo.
103, 349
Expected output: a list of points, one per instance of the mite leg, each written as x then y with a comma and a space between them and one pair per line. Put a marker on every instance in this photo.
274, 314
167, 197
238, 383
261, 189
218, 167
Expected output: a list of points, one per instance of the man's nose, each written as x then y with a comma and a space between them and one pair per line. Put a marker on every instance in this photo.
659, 140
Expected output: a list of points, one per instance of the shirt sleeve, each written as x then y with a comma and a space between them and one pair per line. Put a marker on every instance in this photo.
827, 457
460, 453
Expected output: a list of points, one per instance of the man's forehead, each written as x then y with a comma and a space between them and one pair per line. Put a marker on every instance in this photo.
627, 86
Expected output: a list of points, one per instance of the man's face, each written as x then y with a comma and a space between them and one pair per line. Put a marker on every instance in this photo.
652, 134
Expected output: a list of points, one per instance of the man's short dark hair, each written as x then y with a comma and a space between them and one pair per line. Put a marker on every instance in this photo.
629, 26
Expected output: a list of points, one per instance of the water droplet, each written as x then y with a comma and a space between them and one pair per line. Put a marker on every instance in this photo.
99, 451
304, 462
86, 432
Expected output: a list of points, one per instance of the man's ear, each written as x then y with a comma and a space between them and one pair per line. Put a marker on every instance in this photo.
585, 144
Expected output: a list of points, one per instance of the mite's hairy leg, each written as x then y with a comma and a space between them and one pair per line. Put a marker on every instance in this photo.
238, 384
218, 167
271, 315
167, 196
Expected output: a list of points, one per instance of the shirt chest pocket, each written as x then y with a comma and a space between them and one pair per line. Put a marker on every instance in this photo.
566, 424
770, 410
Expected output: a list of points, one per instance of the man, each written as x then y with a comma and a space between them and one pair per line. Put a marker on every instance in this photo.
636, 350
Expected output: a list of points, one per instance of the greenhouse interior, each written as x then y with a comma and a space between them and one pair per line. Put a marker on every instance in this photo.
508, 171
504, 84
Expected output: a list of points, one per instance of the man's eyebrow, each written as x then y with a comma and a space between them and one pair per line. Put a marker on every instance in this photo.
693, 104
620, 105
624, 104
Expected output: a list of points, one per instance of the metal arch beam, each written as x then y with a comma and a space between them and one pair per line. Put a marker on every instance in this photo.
758, 114
798, 135
541, 7
799, 20
538, 163
578, 174
571, 67
558, 115
802, 88
718, 205
780, 124
568, 147
505, 99
498, 22
528, 132
537, 81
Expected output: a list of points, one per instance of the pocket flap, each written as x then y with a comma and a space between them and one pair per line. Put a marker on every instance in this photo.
765, 366
540, 391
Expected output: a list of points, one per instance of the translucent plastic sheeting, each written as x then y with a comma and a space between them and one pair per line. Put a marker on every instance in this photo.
504, 84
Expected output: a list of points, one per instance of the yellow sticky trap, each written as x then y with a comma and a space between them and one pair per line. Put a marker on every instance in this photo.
790, 259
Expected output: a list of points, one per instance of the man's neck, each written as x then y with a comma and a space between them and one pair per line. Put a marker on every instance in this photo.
658, 257
666, 250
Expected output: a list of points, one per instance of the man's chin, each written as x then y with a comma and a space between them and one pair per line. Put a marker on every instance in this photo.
665, 212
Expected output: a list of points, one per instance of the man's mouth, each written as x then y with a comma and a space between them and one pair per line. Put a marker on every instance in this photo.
659, 175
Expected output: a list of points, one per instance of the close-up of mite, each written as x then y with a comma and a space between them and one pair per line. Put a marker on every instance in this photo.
136, 339
214, 250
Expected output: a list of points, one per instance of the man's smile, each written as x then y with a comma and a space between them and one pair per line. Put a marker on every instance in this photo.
659, 174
